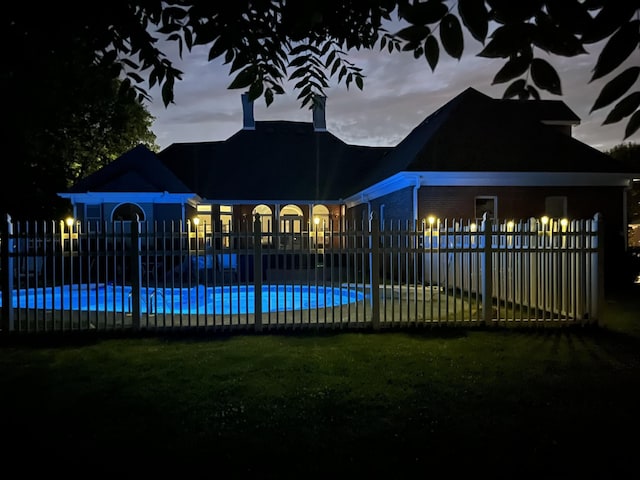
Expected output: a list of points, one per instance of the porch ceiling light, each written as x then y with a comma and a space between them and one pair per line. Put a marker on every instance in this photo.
69, 221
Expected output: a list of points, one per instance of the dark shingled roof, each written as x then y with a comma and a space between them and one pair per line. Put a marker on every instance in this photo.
282, 160
278, 160
138, 170
474, 133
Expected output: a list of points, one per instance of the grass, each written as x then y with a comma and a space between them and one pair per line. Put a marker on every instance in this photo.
504, 402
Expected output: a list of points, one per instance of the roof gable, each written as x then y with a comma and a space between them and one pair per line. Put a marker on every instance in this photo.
138, 170
474, 132
278, 160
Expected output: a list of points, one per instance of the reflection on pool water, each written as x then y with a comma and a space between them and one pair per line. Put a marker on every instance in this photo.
200, 299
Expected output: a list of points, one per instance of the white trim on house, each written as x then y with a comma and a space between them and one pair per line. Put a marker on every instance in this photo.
131, 197
258, 201
494, 179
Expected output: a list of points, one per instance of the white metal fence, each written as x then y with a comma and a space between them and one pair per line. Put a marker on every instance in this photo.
174, 276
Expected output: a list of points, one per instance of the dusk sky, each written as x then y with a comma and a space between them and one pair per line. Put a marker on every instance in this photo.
399, 92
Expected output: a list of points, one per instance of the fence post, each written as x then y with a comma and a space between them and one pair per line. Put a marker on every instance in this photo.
136, 273
257, 272
6, 245
599, 280
487, 270
374, 271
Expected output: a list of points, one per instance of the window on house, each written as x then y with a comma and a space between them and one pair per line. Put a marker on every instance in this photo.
555, 207
266, 222
128, 212
93, 217
93, 212
204, 218
488, 205
226, 222
320, 219
290, 225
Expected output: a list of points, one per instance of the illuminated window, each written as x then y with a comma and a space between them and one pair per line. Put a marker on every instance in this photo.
226, 222
266, 221
290, 226
291, 219
320, 217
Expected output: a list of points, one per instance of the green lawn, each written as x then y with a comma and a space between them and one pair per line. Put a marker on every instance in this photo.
507, 403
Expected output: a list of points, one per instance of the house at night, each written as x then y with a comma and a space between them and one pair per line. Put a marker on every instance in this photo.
473, 156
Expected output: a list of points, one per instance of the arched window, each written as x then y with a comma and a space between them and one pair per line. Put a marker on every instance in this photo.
320, 217
128, 212
290, 226
291, 219
266, 221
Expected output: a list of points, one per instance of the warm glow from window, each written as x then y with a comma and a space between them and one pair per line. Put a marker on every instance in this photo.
204, 208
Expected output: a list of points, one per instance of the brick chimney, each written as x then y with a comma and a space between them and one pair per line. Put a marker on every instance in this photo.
319, 121
248, 123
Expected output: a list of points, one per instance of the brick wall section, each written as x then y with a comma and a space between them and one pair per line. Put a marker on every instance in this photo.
520, 203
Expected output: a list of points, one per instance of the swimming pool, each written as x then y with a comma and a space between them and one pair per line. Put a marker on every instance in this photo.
237, 299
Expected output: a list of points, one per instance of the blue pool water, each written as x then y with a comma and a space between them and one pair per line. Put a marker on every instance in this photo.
199, 299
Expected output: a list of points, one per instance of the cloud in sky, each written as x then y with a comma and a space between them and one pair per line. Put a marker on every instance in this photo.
399, 92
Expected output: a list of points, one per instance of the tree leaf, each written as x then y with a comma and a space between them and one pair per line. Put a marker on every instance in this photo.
514, 11
256, 89
570, 15
451, 36
167, 91
533, 92
516, 89
422, 13
505, 42
556, 40
615, 88
623, 108
475, 17
432, 51
300, 72
545, 76
299, 61
245, 78
611, 16
513, 68
268, 96
632, 125
414, 33
617, 49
